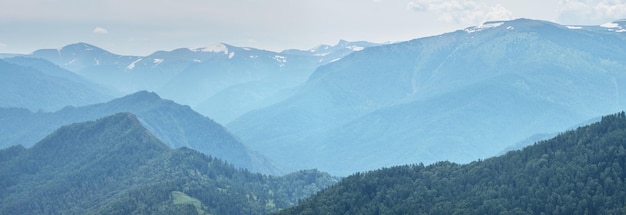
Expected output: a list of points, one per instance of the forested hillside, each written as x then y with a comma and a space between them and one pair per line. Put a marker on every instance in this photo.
116, 166
578, 172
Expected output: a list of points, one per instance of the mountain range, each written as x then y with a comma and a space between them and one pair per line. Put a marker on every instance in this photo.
220, 80
114, 165
458, 96
176, 125
83, 130
357, 106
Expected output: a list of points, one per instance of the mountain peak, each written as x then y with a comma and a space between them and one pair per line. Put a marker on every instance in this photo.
342, 42
141, 99
143, 96
112, 133
521, 23
81, 47
123, 116
483, 26
214, 48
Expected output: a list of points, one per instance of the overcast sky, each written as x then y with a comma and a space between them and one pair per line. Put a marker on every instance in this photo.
141, 27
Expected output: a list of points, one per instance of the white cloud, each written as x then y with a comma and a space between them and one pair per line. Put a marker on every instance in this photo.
591, 11
100, 30
498, 12
462, 12
419, 5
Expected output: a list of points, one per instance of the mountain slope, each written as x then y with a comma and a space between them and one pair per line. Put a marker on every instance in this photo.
176, 125
115, 165
577, 172
40, 85
458, 96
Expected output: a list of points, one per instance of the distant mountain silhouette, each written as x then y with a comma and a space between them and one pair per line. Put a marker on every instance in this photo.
458, 96
40, 85
221, 81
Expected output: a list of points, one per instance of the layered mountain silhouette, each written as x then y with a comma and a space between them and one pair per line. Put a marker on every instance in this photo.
578, 172
176, 125
116, 166
37, 84
221, 81
459, 96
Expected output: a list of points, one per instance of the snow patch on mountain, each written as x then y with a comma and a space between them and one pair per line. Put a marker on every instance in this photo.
483, 27
322, 54
355, 48
132, 65
71, 61
610, 25
281, 59
157, 61
216, 48
574, 27
613, 26
319, 48
231, 55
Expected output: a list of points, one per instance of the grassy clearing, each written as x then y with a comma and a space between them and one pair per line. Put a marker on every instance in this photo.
181, 198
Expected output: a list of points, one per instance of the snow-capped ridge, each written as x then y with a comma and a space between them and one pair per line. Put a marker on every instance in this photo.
228, 50
484, 26
355, 48
319, 48
610, 25
323, 50
615, 26
215, 48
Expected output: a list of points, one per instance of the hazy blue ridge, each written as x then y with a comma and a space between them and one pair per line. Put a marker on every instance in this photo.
220, 80
36, 84
458, 96
177, 125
